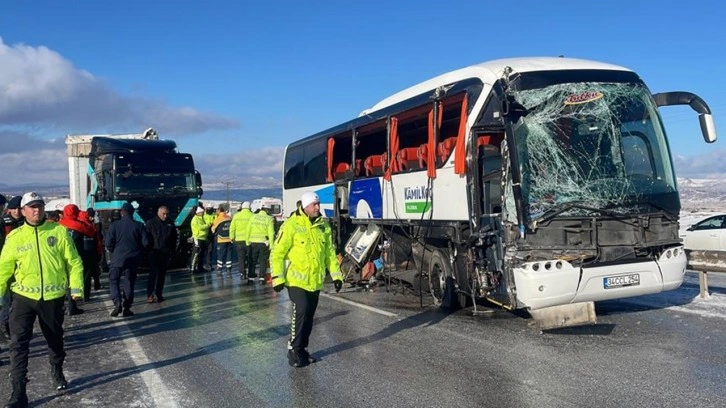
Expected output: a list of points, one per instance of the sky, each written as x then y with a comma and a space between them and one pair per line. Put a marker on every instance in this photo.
234, 82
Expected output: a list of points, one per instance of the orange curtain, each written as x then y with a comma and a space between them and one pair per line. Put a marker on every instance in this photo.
460, 158
431, 159
393, 163
331, 144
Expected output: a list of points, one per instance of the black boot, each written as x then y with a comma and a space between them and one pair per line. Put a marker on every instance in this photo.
74, 310
305, 356
295, 359
59, 380
116, 310
18, 399
127, 312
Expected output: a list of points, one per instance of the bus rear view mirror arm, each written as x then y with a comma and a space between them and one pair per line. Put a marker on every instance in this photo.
708, 128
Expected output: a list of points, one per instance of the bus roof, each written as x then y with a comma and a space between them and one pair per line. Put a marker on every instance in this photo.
486, 72
490, 71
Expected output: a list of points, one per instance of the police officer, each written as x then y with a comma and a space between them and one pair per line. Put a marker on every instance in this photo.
237, 231
305, 240
260, 234
200, 235
42, 258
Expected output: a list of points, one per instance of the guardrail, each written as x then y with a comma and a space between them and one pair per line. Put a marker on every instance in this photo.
704, 262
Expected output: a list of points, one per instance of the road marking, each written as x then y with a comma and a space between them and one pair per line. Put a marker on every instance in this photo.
158, 391
360, 305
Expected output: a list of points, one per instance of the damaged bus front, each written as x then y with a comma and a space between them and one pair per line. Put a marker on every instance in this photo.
590, 199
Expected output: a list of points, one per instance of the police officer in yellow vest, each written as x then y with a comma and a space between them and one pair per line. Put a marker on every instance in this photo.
200, 235
237, 232
260, 235
305, 240
43, 259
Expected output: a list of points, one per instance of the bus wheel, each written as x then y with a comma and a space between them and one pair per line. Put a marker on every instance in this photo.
441, 281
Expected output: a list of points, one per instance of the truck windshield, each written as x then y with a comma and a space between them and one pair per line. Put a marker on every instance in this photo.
590, 145
133, 183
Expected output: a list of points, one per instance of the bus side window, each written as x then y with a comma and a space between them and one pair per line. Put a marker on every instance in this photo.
374, 164
445, 148
423, 155
340, 170
408, 158
490, 160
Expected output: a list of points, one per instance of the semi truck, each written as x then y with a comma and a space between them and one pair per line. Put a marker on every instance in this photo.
105, 171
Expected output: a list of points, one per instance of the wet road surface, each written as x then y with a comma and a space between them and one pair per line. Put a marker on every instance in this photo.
216, 342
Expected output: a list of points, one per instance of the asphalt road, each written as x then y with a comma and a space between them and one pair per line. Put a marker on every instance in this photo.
218, 343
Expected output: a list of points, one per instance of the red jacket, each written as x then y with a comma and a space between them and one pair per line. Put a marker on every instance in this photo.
70, 220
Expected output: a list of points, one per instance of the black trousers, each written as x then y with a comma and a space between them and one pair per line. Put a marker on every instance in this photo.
91, 273
258, 254
199, 256
304, 304
242, 256
22, 318
158, 265
121, 285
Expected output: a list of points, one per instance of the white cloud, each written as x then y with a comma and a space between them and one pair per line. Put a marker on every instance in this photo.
40, 88
25, 159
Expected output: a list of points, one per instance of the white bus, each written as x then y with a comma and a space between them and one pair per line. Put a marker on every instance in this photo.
543, 184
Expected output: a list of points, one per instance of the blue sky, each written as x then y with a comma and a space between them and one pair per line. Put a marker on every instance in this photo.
234, 82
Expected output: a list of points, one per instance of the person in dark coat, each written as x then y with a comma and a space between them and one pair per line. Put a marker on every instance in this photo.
126, 240
13, 220
92, 249
101, 265
78, 231
162, 234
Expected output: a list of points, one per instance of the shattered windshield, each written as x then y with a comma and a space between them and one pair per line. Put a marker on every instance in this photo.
585, 146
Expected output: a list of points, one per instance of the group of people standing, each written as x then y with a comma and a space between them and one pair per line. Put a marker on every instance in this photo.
251, 234
43, 261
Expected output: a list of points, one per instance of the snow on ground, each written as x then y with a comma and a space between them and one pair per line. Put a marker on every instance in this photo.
686, 299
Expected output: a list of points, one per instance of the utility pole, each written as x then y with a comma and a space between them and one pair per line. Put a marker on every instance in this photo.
227, 181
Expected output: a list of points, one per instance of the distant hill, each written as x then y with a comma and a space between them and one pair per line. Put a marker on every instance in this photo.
242, 194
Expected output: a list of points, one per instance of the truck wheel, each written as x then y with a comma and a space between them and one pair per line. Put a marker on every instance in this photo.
441, 281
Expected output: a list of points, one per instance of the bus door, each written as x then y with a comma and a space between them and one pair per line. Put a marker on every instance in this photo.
489, 159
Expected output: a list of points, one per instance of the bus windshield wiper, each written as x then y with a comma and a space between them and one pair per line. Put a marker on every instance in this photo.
559, 209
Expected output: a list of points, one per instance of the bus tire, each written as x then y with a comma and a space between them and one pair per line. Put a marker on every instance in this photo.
441, 281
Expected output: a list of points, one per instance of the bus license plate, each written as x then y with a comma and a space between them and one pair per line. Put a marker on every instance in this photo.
611, 282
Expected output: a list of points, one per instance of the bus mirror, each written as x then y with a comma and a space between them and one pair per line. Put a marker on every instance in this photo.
708, 128
198, 179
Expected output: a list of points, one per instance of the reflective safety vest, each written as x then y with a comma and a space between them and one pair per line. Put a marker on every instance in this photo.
200, 227
220, 228
309, 248
43, 259
238, 229
260, 228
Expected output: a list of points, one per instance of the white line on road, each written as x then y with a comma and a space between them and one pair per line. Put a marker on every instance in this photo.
158, 391
360, 305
